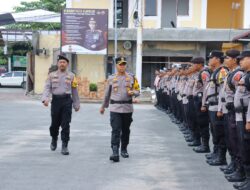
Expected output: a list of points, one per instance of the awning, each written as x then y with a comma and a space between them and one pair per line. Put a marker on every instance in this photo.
245, 37
6, 18
41, 16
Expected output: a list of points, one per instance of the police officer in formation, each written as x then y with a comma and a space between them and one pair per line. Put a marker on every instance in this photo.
62, 85
122, 87
212, 100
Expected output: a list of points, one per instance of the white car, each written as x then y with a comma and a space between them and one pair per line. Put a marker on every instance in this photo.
15, 78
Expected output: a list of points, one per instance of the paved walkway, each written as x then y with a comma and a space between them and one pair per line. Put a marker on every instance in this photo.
160, 159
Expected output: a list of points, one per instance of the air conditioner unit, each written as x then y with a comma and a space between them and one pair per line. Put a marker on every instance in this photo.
127, 45
44, 52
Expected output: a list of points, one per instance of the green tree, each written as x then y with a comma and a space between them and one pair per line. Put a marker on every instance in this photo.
20, 48
49, 5
3, 58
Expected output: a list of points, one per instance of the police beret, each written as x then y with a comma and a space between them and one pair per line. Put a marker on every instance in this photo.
244, 54
120, 60
62, 57
198, 60
216, 53
232, 53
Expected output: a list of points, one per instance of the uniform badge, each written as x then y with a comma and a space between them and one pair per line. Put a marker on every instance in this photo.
136, 85
74, 83
237, 77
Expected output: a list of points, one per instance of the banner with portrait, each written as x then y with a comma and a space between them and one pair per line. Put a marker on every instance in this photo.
84, 31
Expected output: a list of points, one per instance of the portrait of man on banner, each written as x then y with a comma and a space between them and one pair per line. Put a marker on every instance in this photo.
94, 38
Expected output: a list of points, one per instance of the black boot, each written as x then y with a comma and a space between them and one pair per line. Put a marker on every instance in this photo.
196, 142
237, 176
115, 155
65, 150
246, 185
229, 166
124, 152
187, 132
240, 184
213, 154
189, 140
53, 144
203, 148
220, 160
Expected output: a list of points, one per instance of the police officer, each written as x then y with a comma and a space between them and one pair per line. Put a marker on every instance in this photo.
191, 118
156, 85
93, 38
182, 94
202, 121
242, 109
122, 87
161, 87
210, 103
185, 103
164, 91
226, 109
62, 85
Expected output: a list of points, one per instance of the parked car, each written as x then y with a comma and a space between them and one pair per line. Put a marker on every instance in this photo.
15, 78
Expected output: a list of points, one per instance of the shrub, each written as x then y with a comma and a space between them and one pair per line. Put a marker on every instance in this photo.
92, 87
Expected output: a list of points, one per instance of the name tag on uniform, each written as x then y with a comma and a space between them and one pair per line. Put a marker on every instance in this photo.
212, 84
242, 89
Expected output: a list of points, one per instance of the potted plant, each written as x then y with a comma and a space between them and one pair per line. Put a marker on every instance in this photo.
93, 90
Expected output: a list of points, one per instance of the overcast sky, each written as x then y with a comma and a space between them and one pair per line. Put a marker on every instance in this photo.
7, 5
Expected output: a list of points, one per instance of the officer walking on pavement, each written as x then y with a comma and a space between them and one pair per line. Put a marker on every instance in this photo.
62, 85
121, 88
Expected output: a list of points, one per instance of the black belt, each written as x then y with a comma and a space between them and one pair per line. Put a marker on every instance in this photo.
197, 98
212, 95
230, 106
223, 100
61, 96
241, 109
213, 103
121, 102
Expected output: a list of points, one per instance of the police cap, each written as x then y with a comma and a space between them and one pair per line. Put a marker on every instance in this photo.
233, 53
244, 54
216, 53
120, 60
198, 60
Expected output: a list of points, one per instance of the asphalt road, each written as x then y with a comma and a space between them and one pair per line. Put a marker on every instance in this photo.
159, 157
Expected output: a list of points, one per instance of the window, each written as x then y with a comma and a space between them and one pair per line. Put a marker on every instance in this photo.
183, 7
150, 7
119, 13
8, 75
18, 74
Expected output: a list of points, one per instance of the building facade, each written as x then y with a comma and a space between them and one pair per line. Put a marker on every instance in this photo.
173, 32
